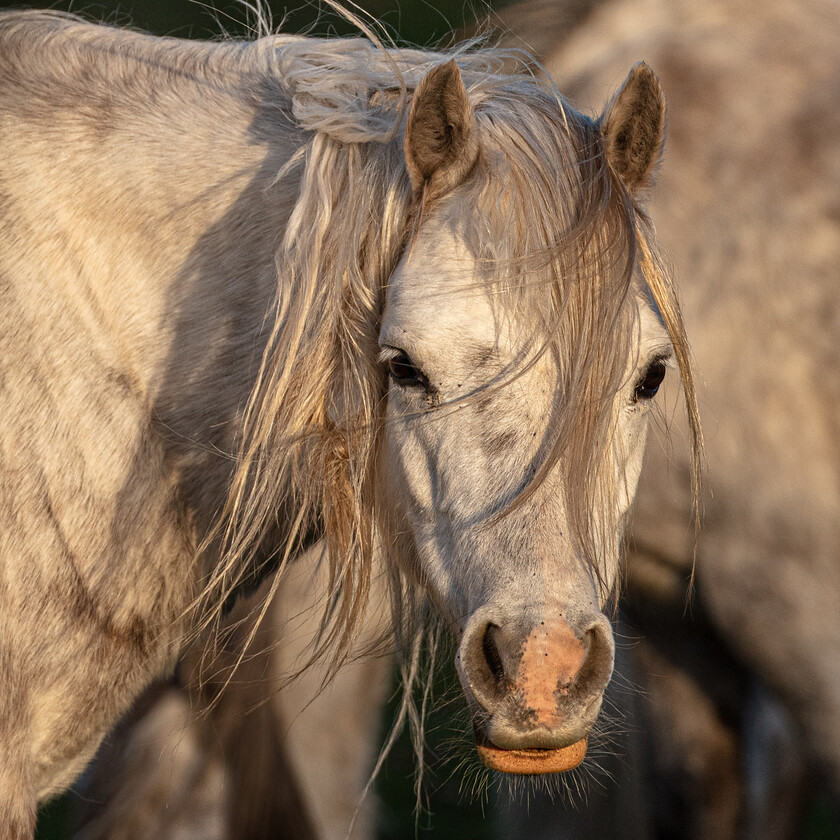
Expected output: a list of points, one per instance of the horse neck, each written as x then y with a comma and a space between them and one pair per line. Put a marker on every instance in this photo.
147, 190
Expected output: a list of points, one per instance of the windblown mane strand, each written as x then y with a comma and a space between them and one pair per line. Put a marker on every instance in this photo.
560, 235
311, 425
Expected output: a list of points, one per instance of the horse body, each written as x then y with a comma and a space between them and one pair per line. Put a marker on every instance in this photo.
207, 360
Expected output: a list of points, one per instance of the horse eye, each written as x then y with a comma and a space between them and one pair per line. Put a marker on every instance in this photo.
649, 384
405, 373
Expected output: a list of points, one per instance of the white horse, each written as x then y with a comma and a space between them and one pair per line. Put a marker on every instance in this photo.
256, 293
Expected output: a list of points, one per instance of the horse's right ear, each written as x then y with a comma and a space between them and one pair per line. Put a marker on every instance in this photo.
440, 143
633, 128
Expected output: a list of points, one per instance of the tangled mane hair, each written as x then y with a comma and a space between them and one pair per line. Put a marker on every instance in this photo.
557, 233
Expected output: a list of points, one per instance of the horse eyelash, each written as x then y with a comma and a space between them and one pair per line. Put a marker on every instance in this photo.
387, 353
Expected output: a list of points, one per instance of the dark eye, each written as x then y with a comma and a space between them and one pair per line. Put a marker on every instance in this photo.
405, 373
649, 384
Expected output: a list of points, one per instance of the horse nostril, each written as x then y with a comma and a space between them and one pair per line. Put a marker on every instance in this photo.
598, 663
492, 656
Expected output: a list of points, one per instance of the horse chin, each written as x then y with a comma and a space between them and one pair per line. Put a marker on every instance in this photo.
534, 761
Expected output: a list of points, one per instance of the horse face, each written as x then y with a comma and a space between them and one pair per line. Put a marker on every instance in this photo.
511, 495
463, 437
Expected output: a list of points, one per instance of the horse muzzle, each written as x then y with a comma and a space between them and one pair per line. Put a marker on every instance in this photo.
534, 686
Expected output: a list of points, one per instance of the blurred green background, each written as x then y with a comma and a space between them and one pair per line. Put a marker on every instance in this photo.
413, 21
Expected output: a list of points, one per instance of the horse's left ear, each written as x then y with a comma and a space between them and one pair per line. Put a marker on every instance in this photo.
440, 143
633, 128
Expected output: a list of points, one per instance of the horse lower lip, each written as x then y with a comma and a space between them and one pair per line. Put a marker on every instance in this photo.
533, 761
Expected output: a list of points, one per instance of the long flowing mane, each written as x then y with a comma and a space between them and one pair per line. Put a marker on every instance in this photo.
563, 237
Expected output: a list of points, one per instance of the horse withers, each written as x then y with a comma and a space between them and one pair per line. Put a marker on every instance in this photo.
253, 294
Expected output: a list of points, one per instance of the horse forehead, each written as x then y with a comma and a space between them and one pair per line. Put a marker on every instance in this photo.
437, 292
653, 334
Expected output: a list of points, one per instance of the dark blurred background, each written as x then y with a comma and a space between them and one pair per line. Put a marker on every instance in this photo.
411, 22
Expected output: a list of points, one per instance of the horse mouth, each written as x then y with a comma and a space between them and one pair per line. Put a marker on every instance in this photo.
532, 762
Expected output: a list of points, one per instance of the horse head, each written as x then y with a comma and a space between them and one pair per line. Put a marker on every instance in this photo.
524, 349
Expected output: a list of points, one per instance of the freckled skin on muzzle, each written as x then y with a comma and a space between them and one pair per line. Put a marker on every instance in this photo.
534, 683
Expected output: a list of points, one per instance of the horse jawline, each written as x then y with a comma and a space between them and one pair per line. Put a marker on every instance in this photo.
533, 762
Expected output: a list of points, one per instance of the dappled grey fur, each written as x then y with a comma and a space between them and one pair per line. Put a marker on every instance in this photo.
747, 207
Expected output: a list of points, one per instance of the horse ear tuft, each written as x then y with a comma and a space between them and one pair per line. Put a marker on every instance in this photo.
633, 128
440, 144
